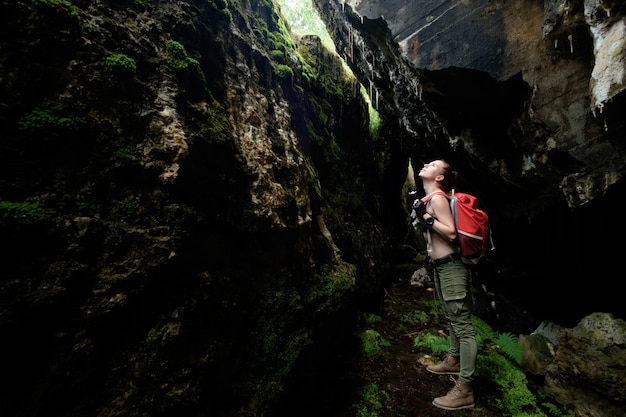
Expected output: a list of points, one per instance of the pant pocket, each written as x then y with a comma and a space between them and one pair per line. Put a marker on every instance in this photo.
453, 289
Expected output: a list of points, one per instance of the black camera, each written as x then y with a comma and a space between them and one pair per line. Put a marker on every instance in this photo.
419, 207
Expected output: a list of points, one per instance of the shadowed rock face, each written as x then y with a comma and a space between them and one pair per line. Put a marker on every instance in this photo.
181, 209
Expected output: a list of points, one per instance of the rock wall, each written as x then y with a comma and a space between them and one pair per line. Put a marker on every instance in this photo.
185, 220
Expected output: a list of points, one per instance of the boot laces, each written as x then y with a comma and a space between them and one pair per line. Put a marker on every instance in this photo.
455, 391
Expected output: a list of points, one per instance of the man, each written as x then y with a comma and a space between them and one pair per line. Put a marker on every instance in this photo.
452, 283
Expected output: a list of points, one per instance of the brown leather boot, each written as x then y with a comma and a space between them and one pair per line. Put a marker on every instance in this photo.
449, 365
460, 396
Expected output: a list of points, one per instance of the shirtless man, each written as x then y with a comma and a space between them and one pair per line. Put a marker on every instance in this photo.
452, 284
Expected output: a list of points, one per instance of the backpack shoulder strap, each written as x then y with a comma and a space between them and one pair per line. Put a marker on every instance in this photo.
427, 198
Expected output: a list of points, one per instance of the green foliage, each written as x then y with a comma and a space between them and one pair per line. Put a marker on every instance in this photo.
373, 342
433, 342
514, 395
434, 311
415, 317
372, 318
493, 363
484, 332
21, 213
178, 59
49, 120
507, 343
375, 122
372, 401
127, 152
278, 55
227, 15
121, 63
279, 42
374, 116
68, 203
339, 277
222, 6
498, 363
314, 182
218, 125
285, 72
46, 9
552, 409
510, 346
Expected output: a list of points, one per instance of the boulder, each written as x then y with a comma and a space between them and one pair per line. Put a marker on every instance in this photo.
588, 372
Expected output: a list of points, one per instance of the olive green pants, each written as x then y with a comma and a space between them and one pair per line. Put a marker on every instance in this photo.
453, 286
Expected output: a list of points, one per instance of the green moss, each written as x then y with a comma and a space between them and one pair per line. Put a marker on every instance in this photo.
51, 9
414, 318
127, 152
484, 332
336, 279
372, 318
278, 41
50, 120
278, 339
314, 181
372, 401
515, 397
278, 55
222, 6
497, 364
178, 59
285, 72
21, 213
121, 63
218, 125
373, 342
431, 341
375, 121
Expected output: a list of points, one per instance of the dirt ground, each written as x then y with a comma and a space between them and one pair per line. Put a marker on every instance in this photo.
401, 369
405, 387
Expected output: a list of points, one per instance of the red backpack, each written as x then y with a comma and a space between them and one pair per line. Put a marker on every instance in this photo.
472, 227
